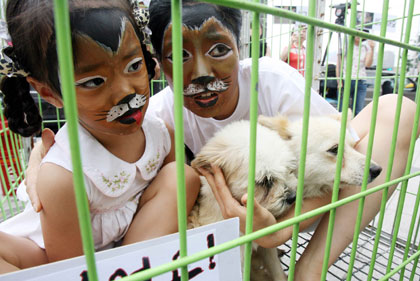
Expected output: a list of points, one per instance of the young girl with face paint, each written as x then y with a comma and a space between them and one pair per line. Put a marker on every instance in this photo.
125, 155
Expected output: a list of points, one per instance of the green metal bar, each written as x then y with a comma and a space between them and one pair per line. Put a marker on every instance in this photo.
402, 265
324, 94
418, 222
375, 104
260, 8
147, 274
395, 132
6, 177
416, 205
389, 20
41, 111
343, 42
345, 104
65, 59
356, 83
253, 114
416, 260
399, 50
176, 11
412, 224
262, 40
16, 166
371, 138
304, 142
2, 179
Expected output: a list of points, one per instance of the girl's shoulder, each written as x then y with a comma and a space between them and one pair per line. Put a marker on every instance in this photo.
155, 126
54, 179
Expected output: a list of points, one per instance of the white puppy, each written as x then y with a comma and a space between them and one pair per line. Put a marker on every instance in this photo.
275, 180
321, 154
277, 155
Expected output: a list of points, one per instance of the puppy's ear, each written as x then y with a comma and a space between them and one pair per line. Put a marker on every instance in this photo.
280, 124
338, 116
200, 162
211, 154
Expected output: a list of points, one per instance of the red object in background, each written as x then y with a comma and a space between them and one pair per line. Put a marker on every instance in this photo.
10, 164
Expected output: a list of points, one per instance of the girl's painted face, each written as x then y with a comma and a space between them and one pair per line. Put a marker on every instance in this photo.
210, 65
112, 86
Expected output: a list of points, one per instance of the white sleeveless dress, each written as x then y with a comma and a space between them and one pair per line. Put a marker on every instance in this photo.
113, 186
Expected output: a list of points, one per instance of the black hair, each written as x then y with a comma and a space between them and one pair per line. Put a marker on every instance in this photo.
193, 15
31, 27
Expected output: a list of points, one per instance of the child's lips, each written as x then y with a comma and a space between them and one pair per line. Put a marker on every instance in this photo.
131, 117
206, 100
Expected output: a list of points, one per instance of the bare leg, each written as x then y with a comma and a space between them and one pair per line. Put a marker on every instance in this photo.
309, 267
19, 253
157, 215
273, 264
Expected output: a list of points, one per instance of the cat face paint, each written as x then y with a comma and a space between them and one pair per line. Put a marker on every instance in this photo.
124, 109
211, 63
111, 83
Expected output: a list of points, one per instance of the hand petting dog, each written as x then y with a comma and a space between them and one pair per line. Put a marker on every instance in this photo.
230, 207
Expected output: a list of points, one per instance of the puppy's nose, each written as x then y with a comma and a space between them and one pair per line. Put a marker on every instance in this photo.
291, 198
374, 171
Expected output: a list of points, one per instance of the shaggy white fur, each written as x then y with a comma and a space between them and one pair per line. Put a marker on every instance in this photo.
277, 155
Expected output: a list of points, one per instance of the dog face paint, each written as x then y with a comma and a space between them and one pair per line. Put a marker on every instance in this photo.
211, 63
111, 82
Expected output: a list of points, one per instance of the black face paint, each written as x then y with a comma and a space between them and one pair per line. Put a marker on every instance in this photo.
207, 104
105, 26
205, 84
126, 108
195, 15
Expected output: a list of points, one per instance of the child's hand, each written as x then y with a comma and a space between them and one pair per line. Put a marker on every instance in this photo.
230, 207
38, 152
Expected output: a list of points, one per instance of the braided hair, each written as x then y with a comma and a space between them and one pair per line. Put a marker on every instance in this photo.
31, 27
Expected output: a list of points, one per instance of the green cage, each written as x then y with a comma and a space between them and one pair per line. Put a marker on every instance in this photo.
389, 247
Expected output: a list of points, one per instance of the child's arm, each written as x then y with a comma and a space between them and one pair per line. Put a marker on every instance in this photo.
38, 152
157, 212
60, 225
285, 53
171, 155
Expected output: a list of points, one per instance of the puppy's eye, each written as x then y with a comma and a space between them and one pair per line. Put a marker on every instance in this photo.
333, 150
266, 182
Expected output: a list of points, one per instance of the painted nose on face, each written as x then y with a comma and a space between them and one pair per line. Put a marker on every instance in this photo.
203, 80
201, 69
121, 88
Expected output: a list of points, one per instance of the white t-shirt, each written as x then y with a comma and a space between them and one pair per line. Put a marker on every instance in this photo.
280, 91
358, 63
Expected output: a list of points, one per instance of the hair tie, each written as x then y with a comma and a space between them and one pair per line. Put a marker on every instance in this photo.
141, 16
9, 65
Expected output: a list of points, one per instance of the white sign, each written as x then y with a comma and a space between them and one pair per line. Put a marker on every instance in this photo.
123, 261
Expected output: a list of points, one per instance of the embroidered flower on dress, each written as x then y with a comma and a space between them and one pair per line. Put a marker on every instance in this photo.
117, 181
153, 163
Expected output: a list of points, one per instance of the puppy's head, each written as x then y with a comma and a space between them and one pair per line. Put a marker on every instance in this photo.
275, 181
322, 152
